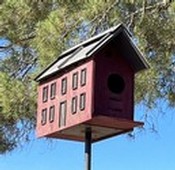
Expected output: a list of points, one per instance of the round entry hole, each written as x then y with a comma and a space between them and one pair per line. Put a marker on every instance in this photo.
116, 83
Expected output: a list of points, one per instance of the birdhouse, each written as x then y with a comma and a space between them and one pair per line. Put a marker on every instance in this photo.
91, 85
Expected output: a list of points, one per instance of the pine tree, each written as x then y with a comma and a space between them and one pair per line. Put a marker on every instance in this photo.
34, 33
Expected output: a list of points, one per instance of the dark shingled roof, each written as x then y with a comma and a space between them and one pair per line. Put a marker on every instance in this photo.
87, 48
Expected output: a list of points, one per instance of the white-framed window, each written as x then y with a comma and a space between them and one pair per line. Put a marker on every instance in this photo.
74, 105
64, 86
75, 81
51, 114
53, 90
83, 77
45, 94
44, 116
82, 101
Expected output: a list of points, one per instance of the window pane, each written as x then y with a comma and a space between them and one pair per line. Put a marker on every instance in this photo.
51, 114
44, 117
74, 105
45, 94
62, 117
64, 86
75, 81
53, 90
83, 77
82, 101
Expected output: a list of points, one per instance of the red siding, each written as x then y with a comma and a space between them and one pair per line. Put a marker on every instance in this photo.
71, 119
108, 103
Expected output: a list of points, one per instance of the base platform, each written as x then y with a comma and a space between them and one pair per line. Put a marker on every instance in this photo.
102, 127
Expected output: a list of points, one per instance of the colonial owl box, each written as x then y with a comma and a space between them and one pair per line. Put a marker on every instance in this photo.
90, 86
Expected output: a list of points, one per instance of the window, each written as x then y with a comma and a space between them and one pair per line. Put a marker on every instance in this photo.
75, 81
45, 94
74, 105
82, 101
52, 90
62, 117
64, 86
44, 116
52, 114
83, 77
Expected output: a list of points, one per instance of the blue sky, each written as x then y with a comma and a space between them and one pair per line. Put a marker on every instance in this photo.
3, 42
148, 151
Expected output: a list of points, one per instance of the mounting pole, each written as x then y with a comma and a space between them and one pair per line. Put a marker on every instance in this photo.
88, 143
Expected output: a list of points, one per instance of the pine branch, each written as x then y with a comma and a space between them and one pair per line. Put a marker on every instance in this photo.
3, 48
160, 6
20, 41
100, 18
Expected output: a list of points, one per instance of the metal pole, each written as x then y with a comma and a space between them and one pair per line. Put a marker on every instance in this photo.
88, 136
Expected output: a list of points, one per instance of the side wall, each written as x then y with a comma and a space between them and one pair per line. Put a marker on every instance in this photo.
83, 111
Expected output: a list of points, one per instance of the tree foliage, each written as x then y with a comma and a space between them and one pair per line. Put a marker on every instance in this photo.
33, 33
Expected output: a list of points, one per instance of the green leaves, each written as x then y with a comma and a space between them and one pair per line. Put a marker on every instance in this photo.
14, 19
47, 41
13, 95
17, 107
38, 31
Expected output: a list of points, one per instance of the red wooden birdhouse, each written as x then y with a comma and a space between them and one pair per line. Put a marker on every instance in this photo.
90, 85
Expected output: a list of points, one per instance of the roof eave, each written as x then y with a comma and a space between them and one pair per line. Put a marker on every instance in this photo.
139, 62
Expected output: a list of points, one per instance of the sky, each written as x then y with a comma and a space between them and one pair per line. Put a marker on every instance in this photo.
3, 42
148, 151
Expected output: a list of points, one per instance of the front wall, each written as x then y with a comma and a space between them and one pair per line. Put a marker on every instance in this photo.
71, 119
107, 103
